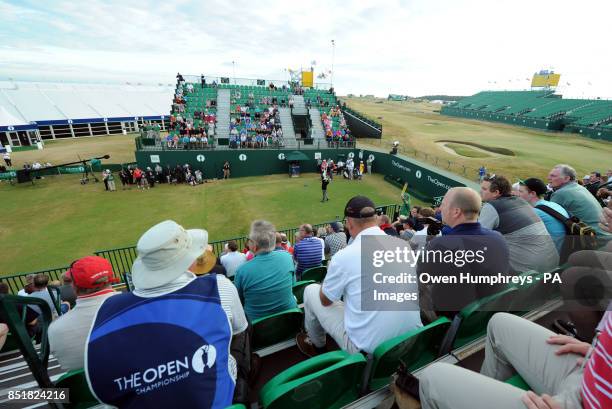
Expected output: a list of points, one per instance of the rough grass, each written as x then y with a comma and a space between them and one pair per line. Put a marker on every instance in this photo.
58, 220
466, 151
535, 151
494, 149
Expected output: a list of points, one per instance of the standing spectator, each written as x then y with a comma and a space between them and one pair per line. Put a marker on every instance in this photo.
532, 190
307, 253
190, 322
7, 159
264, 283
530, 245
574, 198
92, 279
105, 179
369, 163
335, 306
482, 172
324, 183
232, 259
335, 239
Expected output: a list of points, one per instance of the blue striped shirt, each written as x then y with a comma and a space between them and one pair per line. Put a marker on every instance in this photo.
307, 253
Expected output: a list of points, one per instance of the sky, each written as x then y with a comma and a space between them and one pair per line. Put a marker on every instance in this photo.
420, 47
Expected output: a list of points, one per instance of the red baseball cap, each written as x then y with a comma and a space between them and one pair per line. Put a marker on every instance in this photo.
92, 272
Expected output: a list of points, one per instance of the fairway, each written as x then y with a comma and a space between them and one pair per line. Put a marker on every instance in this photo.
418, 126
58, 220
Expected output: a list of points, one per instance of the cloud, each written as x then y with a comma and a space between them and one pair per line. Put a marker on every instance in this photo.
408, 47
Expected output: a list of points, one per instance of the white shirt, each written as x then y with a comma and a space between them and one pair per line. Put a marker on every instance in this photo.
322, 247
366, 329
231, 261
68, 334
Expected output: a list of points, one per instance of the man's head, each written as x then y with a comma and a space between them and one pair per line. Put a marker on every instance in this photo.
40, 282
383, 219
414, 212
279, 239
4, 288
595, 177
493, 187
561, 175
532, 190
460, 205
91, 274
29, 285
263, 236
284, 238
360, 213
66, 279
334, 227
305, 230
232, 245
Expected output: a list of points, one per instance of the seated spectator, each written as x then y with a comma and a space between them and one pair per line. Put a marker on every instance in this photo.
307, 253
550, 364
184, 321
28, 287
574, 198
67, 290
532, 190
232, 259
264, 283
385, 225
460, 208
208, 263
530, 245
30, 318
335, 239
92, 279
285, 243
352, 328
40, 291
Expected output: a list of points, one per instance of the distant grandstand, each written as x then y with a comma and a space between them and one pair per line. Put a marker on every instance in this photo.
538, 109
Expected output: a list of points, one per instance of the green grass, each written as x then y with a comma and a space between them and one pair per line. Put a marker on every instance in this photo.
467, 151
58, 220
536, 152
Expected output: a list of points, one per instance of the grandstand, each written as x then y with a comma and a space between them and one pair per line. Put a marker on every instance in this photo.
538, 109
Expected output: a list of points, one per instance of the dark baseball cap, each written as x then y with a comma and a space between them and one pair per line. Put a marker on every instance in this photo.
336, 226
535, 185
360, 207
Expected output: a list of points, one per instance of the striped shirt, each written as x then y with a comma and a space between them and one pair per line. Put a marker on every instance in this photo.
307, 253
597, 377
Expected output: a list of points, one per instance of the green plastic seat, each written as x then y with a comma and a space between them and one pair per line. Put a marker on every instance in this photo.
276, 328
315, 273
80, 395
519, 382
471, 322
327, 381
415, 349
298, 289
531, 296
236, 406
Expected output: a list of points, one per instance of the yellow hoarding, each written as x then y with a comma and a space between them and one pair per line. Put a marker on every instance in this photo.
545, 80
307, 79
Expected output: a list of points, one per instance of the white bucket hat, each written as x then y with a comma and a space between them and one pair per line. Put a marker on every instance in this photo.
165, 252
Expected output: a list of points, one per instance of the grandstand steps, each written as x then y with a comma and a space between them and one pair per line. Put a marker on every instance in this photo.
223, 113
317, 126
286, 124
299, 107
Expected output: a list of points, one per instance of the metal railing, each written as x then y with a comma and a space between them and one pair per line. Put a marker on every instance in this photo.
250, 82
122, 258
286, 144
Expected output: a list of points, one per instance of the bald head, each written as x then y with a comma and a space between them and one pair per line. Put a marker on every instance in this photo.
460, 205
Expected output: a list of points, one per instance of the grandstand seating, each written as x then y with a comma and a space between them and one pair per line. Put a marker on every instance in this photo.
315, 273
276, 328
538, 109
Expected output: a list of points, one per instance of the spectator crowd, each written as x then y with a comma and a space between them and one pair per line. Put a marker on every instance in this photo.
186, 298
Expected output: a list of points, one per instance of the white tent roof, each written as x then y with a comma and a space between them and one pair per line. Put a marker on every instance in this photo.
26, 102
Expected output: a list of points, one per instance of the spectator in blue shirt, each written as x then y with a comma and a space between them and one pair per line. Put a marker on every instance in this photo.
307, 253
533, 190
265, 283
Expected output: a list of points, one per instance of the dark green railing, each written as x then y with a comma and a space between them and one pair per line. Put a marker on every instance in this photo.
122, 258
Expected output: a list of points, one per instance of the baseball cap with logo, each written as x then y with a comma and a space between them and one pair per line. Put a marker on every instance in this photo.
360, 207
92, 272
